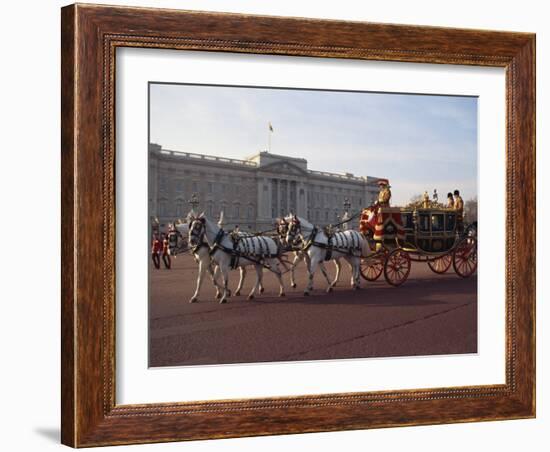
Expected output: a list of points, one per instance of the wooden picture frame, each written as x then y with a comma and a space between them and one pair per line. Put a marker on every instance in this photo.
90, 36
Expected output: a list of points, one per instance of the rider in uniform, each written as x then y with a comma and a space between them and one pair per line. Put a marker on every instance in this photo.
384, 195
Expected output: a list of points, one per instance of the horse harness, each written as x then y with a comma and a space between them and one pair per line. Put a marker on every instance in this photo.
248, 248
329, 247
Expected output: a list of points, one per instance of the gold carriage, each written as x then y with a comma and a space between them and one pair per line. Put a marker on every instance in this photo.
399, 236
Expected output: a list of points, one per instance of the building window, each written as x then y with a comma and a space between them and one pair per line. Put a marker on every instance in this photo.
179, 207
326, 215
250, 212
179, 185
194, 187
210, 187
237, 210
163, 186
210, 209
163, 207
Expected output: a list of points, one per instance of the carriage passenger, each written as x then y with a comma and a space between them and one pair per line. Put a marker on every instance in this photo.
450, 201
459, 208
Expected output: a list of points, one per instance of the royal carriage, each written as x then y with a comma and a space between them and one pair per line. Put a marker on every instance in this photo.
399, 236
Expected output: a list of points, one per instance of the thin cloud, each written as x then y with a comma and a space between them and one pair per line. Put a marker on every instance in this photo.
418, 142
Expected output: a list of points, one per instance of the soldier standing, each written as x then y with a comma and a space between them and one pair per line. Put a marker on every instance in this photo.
172, 239
165, 252
155, 251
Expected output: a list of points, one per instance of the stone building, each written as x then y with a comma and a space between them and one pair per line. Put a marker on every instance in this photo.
252, 192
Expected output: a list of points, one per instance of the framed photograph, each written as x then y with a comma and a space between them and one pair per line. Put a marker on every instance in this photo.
282, 225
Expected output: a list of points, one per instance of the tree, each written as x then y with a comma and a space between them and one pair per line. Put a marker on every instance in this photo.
415, 201
470, 210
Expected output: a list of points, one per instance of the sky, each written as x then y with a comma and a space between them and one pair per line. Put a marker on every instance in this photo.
418, 142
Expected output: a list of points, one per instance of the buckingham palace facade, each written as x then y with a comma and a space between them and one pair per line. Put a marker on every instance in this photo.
252, 192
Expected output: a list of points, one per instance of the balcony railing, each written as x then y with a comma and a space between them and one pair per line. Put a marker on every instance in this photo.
209, 158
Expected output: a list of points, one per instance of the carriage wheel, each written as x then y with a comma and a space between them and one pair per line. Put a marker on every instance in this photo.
465, 257
441, 264
397, 267
372, 267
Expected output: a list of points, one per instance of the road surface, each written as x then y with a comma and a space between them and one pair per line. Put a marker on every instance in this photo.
429, 314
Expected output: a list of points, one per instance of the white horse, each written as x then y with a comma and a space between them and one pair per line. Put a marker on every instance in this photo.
350, 245
301, 255
201, 253
239, 250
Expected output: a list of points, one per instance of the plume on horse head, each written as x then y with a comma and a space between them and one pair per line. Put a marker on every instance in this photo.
290, 218
191, 216
221, 221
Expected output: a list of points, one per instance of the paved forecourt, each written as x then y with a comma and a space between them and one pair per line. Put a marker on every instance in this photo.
429, 314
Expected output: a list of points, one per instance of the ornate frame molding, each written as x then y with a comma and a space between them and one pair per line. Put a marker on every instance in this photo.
90, 37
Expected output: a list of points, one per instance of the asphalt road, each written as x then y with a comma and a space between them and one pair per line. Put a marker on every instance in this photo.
429, 314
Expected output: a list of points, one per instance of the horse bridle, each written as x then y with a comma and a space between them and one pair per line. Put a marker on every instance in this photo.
197, 237
294, 228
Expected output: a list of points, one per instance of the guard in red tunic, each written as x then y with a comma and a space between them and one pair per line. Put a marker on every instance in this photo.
166, 252
156, 249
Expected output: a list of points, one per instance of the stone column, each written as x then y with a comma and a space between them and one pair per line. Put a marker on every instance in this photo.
301, 200
275, 185
267, 199
153, 186
263, 202
152, 196
281, 205
288, 190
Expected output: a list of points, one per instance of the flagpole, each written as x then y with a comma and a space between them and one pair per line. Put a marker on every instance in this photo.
268, 139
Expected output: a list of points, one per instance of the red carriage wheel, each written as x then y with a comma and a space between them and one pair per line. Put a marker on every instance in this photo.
372, 267
465, 257
397, 267
441, 264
